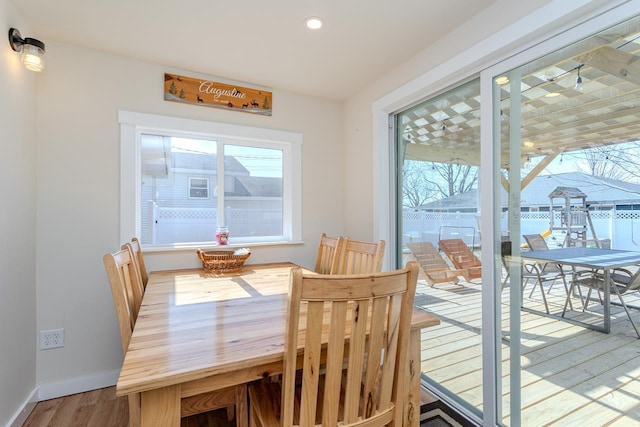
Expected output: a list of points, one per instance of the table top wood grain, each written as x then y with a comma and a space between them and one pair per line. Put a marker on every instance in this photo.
195, 325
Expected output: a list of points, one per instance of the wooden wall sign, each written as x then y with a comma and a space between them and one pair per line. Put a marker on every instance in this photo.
212, 94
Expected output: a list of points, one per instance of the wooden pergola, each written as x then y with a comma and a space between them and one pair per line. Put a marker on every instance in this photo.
556, 117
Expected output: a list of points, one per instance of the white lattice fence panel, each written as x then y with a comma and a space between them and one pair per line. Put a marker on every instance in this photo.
621, 227
432, 226
173, 225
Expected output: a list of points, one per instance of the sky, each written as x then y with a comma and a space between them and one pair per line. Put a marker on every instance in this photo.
261, 162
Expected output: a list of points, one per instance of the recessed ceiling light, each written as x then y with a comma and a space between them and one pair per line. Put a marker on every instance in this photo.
528, 144
502, 80
552, 94
313, 23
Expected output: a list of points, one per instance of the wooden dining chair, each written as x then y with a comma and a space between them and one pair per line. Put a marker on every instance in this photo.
136, 249
126, 289
369, 318
360, 257
127, 292
328, 253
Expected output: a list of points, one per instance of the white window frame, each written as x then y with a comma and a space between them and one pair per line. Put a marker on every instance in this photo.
191, 187
133, 124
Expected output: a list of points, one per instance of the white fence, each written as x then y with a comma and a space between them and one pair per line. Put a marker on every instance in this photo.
172, 225
169, 225
622, 227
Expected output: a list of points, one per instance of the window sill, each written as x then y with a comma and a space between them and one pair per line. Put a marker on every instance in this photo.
214, 246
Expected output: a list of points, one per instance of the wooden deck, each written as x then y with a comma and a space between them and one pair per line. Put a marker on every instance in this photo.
571, 375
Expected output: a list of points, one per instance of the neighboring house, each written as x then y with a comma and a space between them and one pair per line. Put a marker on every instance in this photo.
602, 194
182, 198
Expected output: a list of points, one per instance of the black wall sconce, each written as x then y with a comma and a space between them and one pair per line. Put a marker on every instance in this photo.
32, 50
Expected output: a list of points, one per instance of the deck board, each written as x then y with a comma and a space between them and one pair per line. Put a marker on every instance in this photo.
571, 375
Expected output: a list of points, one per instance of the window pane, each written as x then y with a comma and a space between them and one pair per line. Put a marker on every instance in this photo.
253, 191
176, 206
199, 188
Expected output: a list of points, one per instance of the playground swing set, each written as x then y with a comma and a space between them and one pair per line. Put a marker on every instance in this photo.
570, 221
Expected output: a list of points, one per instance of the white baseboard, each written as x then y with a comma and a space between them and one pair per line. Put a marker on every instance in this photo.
59, 389
27, 406
77, 385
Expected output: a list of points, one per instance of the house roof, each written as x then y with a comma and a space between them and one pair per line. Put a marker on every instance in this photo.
257, 186
602, 191
205, 162
598, 190
245, 185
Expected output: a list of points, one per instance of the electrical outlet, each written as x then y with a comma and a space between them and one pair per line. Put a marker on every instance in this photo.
53, 338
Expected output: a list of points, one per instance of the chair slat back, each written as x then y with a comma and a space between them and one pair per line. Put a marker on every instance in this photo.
535, 242
370, 312
328, 254
360, 257
126, 289
136, 249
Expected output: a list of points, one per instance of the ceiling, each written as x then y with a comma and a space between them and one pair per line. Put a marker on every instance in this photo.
255, 41
266, 43
605, 111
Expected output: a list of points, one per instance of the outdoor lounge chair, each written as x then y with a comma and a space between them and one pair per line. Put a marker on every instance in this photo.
435, 268
505, 252
622, 282
462, 258
546, 270
528, 272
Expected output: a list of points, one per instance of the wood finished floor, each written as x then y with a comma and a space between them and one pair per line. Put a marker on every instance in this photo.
571, 375
101, 408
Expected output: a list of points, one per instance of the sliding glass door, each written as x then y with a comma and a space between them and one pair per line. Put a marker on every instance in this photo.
438, 152
554, 154
567, 141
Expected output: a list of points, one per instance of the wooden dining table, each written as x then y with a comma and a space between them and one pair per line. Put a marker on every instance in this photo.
199, 332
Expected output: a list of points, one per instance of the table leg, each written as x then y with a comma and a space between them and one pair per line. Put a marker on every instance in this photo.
242, 406
161, 407
607, 300
412, 405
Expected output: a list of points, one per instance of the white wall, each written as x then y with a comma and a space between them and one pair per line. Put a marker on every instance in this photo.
17, 224
78, 173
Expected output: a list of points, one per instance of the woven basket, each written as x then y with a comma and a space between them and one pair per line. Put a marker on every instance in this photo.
222, 261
